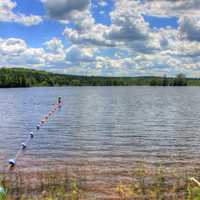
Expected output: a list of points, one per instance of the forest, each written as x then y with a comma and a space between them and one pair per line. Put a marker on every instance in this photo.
22, 77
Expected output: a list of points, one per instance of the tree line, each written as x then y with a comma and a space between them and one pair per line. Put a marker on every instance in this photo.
21, 77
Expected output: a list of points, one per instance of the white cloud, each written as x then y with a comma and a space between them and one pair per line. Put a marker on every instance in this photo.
102, 3
54, 45
15, 52
66, 10
170, 8
76, 54
94, 36
86, 31
128, 29
12, 46
27, 20
127, 25
126, 47
190, 28
8, 15
101, 12
173, 58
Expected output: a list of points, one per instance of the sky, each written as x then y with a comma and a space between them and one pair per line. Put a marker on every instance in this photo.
102, 37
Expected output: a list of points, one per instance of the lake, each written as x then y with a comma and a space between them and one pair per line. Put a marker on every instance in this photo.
115, 126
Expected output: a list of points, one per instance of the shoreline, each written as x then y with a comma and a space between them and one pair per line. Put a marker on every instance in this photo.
110, 183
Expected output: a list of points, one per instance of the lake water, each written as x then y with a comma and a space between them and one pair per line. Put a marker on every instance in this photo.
116, 125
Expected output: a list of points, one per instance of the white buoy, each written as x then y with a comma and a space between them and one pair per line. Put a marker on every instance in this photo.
12, 162
23, 146
59, 100
38, 127
31, 135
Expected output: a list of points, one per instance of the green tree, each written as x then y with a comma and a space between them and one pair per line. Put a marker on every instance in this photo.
165, 81
180, 80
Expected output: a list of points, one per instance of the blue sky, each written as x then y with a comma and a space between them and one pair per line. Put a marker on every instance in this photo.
33, 35
101, 37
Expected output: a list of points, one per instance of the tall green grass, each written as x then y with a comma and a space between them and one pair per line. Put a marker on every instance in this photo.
145, 183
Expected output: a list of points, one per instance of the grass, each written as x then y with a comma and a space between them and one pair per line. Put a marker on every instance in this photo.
41, 185
143, 183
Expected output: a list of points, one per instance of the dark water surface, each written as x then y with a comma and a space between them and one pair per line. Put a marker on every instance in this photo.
103, 124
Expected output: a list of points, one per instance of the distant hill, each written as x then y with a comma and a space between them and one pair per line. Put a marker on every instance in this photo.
21, 77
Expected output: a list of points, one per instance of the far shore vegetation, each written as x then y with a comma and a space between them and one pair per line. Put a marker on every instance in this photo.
21, 77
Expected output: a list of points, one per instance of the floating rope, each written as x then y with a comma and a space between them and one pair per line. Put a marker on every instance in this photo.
12, 162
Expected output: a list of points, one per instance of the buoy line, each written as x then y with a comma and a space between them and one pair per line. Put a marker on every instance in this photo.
12, 162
